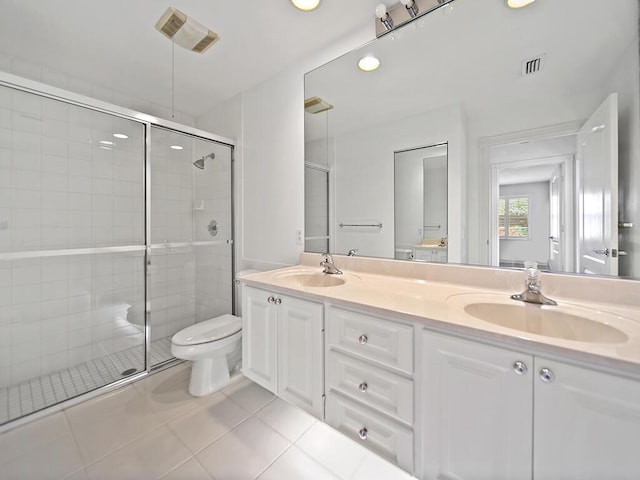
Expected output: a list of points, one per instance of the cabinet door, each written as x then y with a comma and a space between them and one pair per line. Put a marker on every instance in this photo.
259, 361
476, 411
300, 353
587, 424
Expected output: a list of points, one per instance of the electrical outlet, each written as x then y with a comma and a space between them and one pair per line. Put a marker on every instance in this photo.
299, 236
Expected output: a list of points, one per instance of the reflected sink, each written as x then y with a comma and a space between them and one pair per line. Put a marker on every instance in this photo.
308, 279
567, 322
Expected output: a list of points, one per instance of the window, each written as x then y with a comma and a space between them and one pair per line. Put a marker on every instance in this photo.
513, 217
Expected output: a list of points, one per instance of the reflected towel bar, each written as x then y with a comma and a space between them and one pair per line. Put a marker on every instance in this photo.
376, 225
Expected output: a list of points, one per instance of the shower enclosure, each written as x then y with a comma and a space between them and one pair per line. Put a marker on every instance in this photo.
112, 239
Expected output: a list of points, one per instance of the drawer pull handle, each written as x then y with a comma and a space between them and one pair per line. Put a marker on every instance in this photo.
363, 433
278, 301
363, 339
520, 367
271, 299
546, 375
363, 387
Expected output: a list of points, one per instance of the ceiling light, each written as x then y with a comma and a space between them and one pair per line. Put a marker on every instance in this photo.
120, 135
176, 147
518, 3
368, 63
106, 142
306, 5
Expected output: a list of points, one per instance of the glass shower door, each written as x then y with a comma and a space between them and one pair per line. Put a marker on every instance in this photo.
191, 268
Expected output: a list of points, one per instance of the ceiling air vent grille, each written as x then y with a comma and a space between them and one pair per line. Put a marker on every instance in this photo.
532, 65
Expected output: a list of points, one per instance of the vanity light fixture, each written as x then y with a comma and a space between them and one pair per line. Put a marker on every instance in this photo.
519, 3
385, 18
120, 135
368, 63
411, 7
176, 147
306, 5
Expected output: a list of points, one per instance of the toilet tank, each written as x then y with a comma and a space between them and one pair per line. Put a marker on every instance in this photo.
238, 290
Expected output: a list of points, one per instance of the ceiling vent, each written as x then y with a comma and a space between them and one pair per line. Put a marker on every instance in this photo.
316, 105
185, 31
532, 65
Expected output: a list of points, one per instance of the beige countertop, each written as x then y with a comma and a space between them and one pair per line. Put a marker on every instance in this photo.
438, 305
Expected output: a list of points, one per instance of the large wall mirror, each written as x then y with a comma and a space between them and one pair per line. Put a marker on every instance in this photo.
539, 110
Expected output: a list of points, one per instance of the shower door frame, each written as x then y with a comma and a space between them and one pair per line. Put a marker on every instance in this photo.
147, 121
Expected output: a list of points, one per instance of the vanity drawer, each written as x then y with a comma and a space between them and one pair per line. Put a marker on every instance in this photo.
380, 340
387, 438
371, 385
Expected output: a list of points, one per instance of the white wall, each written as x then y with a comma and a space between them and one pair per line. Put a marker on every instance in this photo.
270, 162
536, 247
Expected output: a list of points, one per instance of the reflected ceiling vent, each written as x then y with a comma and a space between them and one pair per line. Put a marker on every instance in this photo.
532, 65
316, 105
185, 31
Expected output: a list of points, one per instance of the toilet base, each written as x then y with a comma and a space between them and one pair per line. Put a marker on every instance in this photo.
208, 375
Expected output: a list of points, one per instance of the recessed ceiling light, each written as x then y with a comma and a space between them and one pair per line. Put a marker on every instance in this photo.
176, 147
518, 3
306, 5
368, 63
120, 135
106, 142
105, 147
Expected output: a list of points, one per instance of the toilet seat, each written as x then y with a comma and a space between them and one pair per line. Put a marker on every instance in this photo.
208, 331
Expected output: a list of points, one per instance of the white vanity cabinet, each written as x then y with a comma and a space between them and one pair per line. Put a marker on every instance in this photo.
282, 346
490, 412
369, 382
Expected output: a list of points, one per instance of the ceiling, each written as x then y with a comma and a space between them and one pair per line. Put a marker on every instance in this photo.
113, 43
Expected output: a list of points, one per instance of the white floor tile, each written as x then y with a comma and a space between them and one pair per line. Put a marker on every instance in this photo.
31, 436
376, 468
294, 464
189, 470
151, 456
284, 418
248, 395
57, 459
244, 452
105, 424
332, 449
199, 428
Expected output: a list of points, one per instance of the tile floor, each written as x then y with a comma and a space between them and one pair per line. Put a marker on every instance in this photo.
155, 429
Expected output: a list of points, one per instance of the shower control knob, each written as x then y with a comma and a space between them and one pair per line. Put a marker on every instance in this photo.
271, 299
363, 434
278, 301
363, 339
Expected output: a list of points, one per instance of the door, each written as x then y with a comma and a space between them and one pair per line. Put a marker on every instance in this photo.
597, 161
300, 353
556, 240
586, 423
259, 316
478, 402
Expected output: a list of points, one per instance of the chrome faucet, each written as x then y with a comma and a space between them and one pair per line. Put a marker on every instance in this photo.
328, 265
532, 293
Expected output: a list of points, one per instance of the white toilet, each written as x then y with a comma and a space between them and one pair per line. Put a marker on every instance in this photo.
215, 348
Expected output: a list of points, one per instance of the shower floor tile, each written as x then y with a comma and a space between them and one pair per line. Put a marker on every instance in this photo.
213, 437
36, 394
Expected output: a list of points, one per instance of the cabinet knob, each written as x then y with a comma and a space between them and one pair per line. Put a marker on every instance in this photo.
546, 375
520, 367
278, 301
271, 299
363, 387
363, 433
363, 339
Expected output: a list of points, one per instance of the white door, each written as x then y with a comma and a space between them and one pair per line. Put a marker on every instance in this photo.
259, 316
586, 424
597, 163
556, 240
477, 411
300, 353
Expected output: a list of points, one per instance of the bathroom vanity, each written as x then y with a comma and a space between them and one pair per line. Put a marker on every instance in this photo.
436, 369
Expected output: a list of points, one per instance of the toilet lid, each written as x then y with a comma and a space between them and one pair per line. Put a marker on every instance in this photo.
208, 331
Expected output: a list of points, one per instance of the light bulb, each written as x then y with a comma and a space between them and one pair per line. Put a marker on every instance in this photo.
368, 63
411, 7
305, 5
406, 3
518, 3
381, 11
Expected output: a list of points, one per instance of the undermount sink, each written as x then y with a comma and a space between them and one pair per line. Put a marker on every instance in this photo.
567, 322
313, 279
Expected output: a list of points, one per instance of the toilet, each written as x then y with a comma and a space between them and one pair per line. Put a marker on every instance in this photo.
215, 348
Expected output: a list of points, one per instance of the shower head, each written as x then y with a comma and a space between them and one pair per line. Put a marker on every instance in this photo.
200, 162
